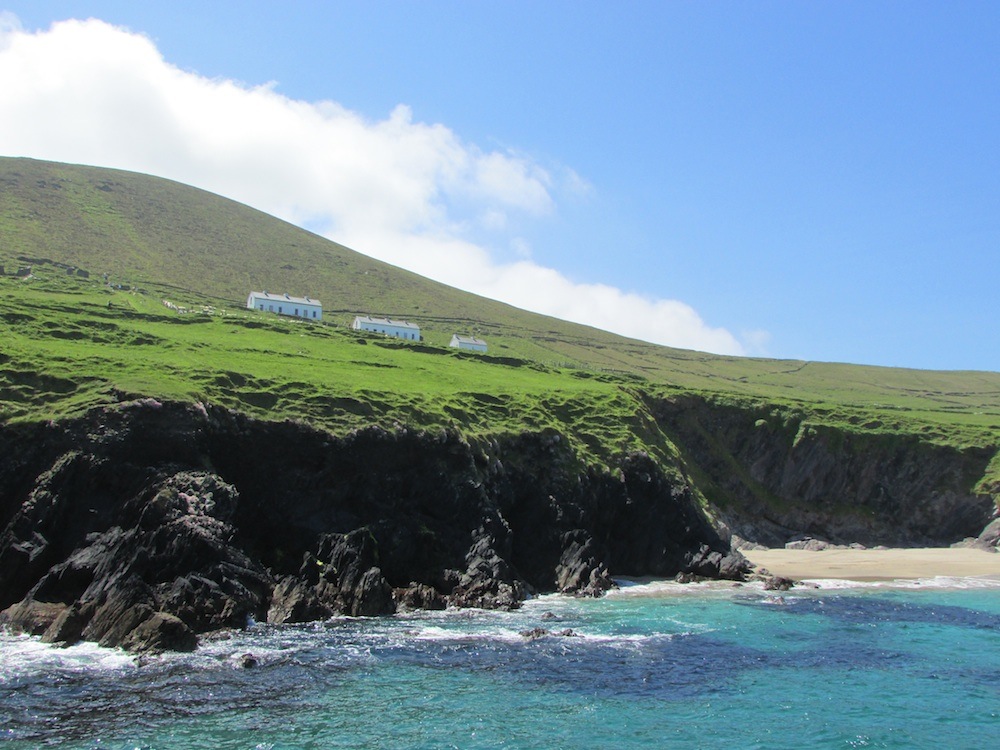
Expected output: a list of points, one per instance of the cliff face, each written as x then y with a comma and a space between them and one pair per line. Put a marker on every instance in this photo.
145, 524
774, 476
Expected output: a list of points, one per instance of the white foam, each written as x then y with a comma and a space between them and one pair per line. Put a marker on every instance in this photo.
912, 584
664, 588
446, 635
22, 655
435, 633
632, 639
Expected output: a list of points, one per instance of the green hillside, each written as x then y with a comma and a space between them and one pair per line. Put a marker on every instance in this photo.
152, 240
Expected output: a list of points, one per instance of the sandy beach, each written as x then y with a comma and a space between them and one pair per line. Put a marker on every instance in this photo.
877, 564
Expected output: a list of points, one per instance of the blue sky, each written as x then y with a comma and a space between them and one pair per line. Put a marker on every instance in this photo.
815, 180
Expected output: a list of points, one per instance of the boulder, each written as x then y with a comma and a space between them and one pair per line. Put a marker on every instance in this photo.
534, 634
160, 632
419, 596
810, 544
989, 539
778, 583
712, 563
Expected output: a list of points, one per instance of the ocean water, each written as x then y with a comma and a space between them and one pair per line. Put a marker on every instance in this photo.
656, 665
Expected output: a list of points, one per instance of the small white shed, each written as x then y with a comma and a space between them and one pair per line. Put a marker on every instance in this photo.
283, 304
400, 329
468, 342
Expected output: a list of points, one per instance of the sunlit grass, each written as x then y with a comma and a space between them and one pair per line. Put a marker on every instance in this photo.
71, 344
66, 350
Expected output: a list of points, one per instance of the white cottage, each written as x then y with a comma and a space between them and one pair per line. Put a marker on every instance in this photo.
283, 304
400, 329
468, 342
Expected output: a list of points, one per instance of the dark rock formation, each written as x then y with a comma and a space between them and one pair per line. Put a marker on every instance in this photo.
778, 583
164, 569
339, 574
776, 477
144, 524
812, 545
160, 632
989, 539
536, 633
419, 596
579, 570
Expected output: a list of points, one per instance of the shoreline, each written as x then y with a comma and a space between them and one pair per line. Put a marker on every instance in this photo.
877, 564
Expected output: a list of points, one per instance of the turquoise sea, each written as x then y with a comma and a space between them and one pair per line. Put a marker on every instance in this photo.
655, 665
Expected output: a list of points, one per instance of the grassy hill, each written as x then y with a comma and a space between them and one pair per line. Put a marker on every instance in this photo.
107, 248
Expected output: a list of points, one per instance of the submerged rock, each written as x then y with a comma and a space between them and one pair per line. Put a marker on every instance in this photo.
778, 583
535, 633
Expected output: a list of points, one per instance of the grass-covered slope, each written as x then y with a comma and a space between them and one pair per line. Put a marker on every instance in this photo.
73, 343
142, 230
108, 248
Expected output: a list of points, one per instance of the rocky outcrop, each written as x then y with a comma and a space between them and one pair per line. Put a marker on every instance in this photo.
165, 569
990, 536
145, 524
988, 539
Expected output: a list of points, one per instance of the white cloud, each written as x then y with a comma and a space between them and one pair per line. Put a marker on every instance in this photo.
516, 181
403, 191
9, 25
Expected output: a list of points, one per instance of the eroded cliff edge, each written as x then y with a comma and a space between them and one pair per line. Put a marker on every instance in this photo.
145, 524
773, 475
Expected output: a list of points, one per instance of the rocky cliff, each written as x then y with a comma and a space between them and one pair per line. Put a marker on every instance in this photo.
145, 524
774, 475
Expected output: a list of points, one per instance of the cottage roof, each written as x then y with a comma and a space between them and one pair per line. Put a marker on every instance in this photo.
285, 298
386, 322
472, 340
